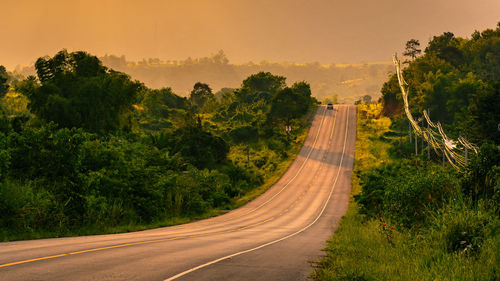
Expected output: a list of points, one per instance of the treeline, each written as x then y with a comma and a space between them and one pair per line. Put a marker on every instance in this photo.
348, 81
458, 80
413, 218
93, 151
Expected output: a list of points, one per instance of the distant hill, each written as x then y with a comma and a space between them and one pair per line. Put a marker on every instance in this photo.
348, 81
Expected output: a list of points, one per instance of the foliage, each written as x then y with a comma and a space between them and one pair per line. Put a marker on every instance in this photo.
482, 177
159, 109
75, 90
288, 104
263, 82
412, 48
106, 154
4, 86
457, 80
201, 95
200, 148
414, 219
405, 192
463, 228
260, 86
334, 99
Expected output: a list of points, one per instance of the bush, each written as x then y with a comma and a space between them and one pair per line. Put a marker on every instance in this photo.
482, 177
4, 156
411, 197
201, 148
405, 192
463, 228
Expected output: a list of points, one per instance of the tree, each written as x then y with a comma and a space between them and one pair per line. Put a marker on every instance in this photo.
391, 97
287, 105
4, 86
76, 90
412, 48
262, 85
199, 147
334, 99
302, 88
200, 94
159, 102
484, 113
446, 47
367, 99
264, 82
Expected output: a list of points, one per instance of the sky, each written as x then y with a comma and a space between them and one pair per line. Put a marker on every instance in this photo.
326, 31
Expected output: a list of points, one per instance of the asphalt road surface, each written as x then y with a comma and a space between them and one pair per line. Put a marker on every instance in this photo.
274, 237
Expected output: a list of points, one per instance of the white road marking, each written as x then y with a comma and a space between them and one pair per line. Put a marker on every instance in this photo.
177, 237
283, 238
298, 172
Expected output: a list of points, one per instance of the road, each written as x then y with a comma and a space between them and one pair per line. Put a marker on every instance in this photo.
274, 237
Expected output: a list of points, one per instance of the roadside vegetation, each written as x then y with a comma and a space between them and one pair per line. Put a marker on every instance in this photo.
410, 218
86, 150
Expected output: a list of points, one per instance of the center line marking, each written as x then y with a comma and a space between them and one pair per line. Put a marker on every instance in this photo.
283, 238
192, 235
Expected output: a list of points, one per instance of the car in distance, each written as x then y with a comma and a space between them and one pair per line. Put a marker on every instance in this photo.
329, 106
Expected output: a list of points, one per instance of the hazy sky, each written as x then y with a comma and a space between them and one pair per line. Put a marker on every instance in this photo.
328, 31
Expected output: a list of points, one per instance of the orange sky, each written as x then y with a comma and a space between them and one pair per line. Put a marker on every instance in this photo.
277, 30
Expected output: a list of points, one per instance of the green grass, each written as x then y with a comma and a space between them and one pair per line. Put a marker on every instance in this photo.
361, 250
370, 150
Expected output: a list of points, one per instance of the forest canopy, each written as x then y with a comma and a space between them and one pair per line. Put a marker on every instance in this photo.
458, 80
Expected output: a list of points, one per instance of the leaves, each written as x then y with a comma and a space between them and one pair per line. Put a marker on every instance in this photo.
75, 90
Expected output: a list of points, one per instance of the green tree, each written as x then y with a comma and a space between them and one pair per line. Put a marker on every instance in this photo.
302, 88
446, 47
199, 147
4, 86
260, 86
159, 102
201, 94
412, 49
485, 114
287, 105
391, 97
264, 82
76, 90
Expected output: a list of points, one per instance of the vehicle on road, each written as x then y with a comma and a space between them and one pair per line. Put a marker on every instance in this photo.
329, 106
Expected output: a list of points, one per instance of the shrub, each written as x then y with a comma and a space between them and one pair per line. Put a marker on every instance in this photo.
411, 196
405, 191
463, 228
374, 184
481, 179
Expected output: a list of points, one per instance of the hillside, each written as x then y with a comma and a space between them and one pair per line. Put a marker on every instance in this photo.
348, 81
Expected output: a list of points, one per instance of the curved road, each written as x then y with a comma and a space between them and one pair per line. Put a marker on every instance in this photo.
274, 237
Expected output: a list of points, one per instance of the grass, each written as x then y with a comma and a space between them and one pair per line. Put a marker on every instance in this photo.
361, 250
358, 251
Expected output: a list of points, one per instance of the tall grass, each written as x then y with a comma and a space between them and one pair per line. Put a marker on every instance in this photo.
460, 240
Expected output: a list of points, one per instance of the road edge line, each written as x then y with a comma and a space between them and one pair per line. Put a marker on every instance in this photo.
283, 238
